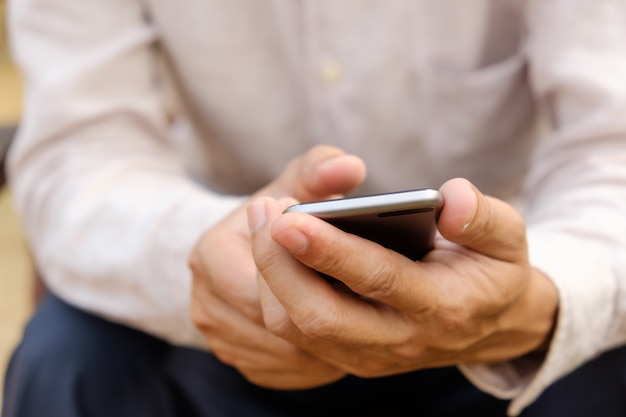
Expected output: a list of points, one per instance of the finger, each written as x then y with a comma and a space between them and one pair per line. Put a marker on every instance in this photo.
322, 172
295, 379
273, 261
232, 282
237, 341
481, 223
218, 319
335, 336
262, 357
366, 267
301, 302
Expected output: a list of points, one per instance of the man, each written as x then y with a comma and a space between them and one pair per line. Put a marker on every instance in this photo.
523, 99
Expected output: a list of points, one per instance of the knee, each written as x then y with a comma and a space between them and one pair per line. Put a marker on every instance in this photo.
64, 336
68, 359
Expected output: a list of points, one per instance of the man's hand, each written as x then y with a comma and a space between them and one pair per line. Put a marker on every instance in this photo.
225, 299
474, 298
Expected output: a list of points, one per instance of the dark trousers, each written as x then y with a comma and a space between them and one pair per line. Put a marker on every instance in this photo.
71, 363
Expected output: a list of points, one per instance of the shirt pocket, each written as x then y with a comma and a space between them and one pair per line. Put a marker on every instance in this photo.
479, 121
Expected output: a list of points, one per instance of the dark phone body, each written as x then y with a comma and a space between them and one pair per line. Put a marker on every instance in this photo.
404, 221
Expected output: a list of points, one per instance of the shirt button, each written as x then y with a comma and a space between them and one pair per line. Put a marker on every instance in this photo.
331, 72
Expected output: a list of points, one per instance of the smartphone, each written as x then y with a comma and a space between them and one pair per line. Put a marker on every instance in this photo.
403, 221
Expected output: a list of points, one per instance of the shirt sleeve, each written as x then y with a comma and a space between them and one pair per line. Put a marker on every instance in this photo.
576, 190
109, 210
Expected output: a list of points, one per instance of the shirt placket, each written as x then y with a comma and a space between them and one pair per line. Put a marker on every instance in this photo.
323, 70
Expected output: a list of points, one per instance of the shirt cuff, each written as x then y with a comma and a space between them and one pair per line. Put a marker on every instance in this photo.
581, 307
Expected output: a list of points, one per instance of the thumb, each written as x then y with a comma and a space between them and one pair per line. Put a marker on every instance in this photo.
322, 172
481, 223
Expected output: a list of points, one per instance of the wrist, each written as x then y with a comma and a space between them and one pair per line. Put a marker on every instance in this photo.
534, 315
547, 302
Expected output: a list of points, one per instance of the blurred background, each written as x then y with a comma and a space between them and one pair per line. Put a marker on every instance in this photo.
16, 299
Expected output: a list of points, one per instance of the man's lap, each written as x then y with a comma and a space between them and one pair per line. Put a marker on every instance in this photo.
71, 363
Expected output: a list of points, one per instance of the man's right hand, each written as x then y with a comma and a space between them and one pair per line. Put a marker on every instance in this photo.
225, 296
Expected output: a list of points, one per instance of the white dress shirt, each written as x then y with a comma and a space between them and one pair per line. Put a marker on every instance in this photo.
527, 99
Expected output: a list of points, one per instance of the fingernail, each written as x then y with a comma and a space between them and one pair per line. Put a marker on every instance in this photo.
256, 216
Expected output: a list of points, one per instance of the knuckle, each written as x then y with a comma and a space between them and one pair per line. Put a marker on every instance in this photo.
267, 261
409, 351
278, 325
381, 286
316, 323
379, 282
519, 230
452, 316
226, 357
277, 328
499, 213
451, 322
458, 331
516, 225
195, 263
201, 320
333, 264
